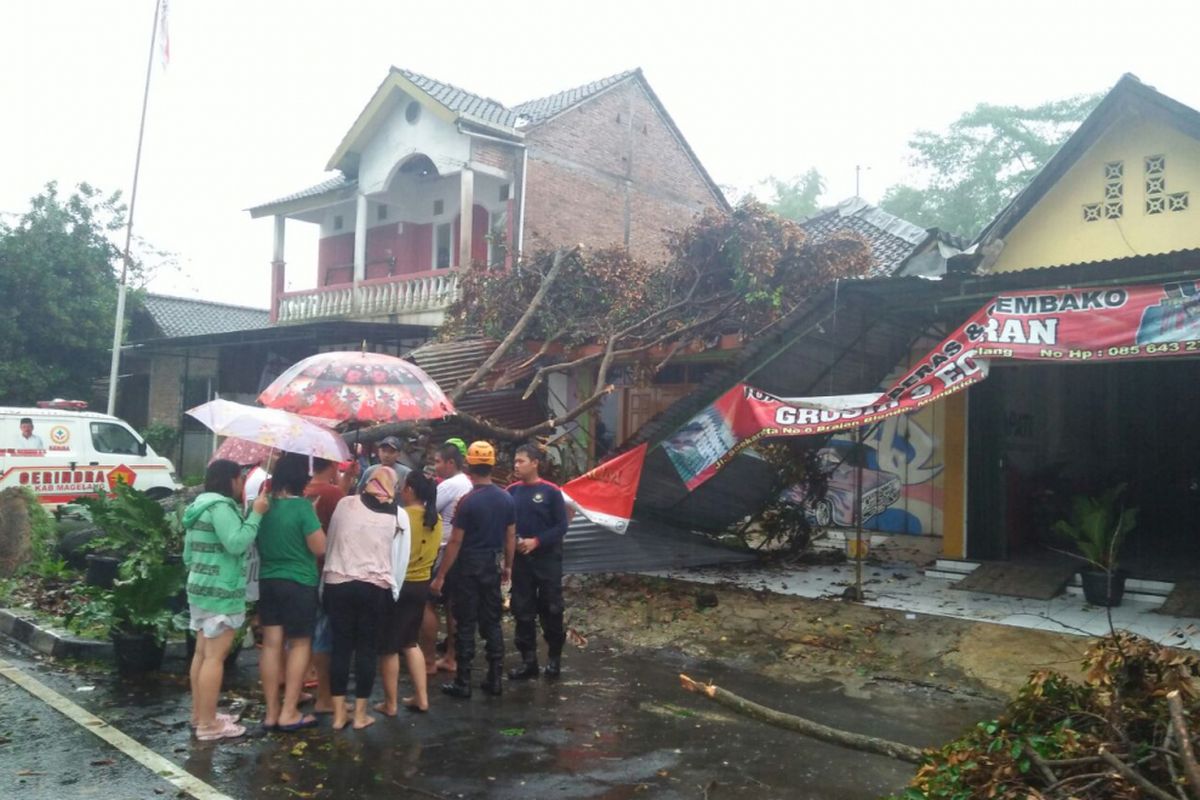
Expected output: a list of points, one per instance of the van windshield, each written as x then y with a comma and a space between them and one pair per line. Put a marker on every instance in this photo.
108, 437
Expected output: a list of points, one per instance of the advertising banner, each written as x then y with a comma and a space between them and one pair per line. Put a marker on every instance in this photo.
1063, 325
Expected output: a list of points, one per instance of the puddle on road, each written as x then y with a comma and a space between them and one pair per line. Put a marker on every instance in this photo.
617, 725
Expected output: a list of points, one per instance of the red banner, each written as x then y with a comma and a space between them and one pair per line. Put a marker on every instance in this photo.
1065, 325
605, 494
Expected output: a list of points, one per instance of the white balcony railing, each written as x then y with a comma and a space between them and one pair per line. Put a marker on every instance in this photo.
379, 297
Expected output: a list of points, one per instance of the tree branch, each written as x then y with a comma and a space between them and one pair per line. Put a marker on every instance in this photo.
517, 331
1133, 776
791, 722
1187, 755
520, 434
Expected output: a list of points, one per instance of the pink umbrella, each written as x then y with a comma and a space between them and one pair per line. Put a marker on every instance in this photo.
363, 387
241, 451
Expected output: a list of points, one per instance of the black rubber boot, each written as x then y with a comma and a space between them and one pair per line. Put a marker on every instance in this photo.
493, 684
553, 666
528, 668
461, 685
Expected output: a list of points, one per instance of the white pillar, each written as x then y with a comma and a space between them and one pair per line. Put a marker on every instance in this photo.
360, 239
280, 222
278, 278
466, 217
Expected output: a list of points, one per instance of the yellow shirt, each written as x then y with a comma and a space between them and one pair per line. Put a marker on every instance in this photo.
425, 544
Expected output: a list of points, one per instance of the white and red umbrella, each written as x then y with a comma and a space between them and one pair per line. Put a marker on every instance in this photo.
276, 429
361, 387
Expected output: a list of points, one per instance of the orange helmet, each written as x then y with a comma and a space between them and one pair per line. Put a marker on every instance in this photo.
481, 453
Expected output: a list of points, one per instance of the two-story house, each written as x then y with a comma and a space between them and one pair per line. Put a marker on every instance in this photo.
430, 179
600, 165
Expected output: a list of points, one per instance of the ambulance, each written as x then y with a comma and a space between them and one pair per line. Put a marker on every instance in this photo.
61, 452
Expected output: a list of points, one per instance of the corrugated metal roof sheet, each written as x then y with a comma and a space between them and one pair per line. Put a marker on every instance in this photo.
498, 399
647, 546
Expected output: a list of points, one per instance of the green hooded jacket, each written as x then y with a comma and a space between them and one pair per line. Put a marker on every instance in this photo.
214, 549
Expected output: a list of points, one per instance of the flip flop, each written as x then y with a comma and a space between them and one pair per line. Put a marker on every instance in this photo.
228, 730
305, 722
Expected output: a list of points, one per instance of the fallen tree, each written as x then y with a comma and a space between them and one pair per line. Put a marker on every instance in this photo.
1127, 730
592, 311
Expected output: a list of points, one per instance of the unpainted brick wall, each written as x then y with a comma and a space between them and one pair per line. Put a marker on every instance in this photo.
611, 172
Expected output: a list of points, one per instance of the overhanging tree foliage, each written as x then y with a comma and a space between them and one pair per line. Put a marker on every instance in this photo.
58, 281
727, 273
977, 166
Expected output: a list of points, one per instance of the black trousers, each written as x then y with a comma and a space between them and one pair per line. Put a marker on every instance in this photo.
537, 595
475, 602
355, 610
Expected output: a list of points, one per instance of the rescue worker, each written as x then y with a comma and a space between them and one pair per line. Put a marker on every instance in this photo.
537, 572
484, 528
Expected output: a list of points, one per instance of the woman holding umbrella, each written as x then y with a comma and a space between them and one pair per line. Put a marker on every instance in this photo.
290, 540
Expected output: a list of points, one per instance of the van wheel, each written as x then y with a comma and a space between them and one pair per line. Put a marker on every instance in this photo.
159, 493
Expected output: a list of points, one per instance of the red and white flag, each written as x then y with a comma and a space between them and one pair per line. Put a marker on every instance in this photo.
606, 493
164, 39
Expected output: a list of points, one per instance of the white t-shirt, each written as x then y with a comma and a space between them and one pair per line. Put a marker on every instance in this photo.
449, 492
250, 491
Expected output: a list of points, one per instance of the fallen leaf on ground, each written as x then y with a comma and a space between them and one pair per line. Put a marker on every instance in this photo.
512, 731
27, 772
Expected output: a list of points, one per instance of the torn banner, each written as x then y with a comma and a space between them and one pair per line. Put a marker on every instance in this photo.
605, 494
1065, 326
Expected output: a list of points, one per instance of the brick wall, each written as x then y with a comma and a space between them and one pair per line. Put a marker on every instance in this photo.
611, 172
496, 155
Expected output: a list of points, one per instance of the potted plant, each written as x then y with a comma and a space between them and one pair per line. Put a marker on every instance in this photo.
137, 610
1097, 526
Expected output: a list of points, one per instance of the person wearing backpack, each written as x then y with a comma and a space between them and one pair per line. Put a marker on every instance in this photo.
214, 552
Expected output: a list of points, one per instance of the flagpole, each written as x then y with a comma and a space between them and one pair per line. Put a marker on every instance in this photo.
119, 325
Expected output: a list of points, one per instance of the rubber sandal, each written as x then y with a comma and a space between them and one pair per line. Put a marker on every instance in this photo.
222, 718
305, 722
229, 730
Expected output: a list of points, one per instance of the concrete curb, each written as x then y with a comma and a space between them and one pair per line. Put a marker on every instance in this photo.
57, 643
54, 642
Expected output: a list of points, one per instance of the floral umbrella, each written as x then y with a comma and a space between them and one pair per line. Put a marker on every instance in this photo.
241, 451
271, 427
362, 387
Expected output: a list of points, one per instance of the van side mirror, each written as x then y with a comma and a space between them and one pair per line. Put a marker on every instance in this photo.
141, 448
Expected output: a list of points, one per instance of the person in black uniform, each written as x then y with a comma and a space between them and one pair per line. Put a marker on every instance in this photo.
537, 572
484, 527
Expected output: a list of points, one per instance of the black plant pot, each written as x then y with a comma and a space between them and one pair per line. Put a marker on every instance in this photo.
102, 570
1096, 587
137, 653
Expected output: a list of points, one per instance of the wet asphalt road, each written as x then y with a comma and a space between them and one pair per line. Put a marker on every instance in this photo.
614, 726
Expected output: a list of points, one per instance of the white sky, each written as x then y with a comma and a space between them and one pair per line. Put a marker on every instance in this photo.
258, 94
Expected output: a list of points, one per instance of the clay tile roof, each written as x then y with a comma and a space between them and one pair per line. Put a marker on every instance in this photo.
181, 316
891, 238
471, 105
541, 109
338, 181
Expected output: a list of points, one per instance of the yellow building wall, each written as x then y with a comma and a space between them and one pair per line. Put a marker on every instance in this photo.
1055, 231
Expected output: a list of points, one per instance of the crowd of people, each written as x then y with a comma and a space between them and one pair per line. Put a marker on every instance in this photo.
348, 569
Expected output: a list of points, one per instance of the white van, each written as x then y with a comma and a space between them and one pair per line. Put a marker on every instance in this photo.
62, 454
